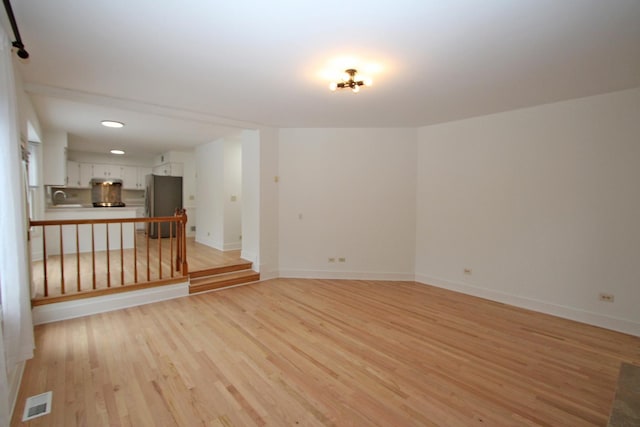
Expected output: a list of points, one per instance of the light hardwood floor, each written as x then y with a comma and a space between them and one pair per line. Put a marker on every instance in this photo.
199, 257
290, 352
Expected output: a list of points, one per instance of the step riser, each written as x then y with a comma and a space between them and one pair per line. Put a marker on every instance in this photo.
202, 287
220, 270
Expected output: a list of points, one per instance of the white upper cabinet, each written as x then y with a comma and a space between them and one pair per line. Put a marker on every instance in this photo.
169, 169
73, 174
130, 177
107, 171
142, 176
54, 150
86, 173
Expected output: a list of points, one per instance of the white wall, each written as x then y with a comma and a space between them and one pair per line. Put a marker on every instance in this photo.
347, 193
541, 203
250, 215
268, 258
232, 193
209, 193
219, 177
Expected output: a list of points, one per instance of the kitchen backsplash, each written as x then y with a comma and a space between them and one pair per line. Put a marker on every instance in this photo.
82, 196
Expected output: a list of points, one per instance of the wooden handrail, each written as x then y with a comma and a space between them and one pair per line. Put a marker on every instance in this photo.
52, 283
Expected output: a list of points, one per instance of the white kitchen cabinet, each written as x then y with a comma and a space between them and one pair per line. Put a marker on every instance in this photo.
73, 174
86, 173
107, 171
169, 169
142, 177
130, 178
54, 150
133, 178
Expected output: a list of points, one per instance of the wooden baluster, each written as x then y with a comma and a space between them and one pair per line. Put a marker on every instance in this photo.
78, 255
135, 255
93, 256
159, 252
148, 268
122, 256
44, 261
171, 246
61, 262
183, 227
108, 260
178, 243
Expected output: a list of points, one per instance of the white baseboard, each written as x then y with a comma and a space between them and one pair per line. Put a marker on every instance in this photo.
596, 319
84, 307
345, 275
233, 246
14, 377
249, 256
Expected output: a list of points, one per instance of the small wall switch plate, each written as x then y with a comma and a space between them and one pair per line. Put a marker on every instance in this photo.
606, 297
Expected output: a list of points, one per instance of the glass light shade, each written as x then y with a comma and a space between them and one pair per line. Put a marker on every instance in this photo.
346, 77
333, 86
112, 124
367, 82
356, 89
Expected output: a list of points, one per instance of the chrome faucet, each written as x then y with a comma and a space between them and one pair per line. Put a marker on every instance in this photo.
59, 192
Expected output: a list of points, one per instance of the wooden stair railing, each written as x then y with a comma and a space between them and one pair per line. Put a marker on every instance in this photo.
84, 233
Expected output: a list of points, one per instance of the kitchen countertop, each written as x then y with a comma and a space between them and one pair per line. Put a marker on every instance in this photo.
85, 208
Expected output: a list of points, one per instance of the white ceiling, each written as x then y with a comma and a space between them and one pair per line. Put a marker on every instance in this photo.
182, 73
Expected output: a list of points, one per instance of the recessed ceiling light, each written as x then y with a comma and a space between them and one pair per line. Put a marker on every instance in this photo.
112, 124
117, 152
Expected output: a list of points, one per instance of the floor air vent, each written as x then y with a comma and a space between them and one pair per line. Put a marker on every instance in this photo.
37, 406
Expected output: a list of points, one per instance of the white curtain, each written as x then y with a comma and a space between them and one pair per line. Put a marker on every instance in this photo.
16, 338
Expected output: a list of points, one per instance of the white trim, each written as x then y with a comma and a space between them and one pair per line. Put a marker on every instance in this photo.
84, 307
249, 256
596, 319
345, 275
233, 246
14, 380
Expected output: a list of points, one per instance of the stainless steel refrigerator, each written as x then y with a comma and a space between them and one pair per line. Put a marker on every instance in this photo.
163, 195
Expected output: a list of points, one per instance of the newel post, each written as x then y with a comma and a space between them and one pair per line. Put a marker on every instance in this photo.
181, 256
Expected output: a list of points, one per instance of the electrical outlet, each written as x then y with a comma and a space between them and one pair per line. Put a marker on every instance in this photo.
605, 297
341, 259
468, 271
332, 259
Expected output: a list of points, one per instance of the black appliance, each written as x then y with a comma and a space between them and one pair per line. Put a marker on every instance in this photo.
162, 197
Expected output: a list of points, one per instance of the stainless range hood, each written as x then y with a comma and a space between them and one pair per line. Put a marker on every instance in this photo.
106, 193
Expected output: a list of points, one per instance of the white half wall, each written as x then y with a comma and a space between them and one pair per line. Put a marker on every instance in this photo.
347, 194
542, 204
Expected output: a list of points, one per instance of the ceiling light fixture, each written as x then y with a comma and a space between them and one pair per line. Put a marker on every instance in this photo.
349, 81
112, 124
119, 152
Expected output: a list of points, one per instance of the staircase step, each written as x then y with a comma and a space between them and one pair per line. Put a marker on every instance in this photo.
223, 280
242, 265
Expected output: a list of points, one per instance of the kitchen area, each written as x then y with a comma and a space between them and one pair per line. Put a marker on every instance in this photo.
85, 186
